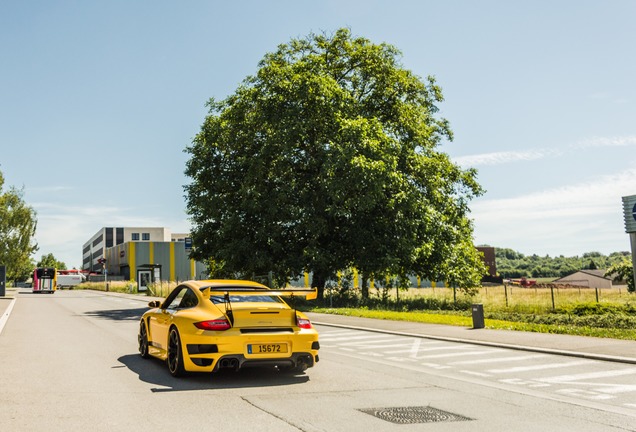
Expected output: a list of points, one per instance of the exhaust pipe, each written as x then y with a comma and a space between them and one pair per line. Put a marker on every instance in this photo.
229, 363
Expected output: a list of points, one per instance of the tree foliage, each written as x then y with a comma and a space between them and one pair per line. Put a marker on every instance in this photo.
327, 159
17, 228
624, 270
513, 264
49, 260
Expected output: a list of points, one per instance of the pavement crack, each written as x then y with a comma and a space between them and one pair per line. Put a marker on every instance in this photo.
274, 415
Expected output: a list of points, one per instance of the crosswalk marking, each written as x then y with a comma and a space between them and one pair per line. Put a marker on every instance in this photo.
589, 375
586, 378
499, 359
546, 366
455, 354
349, 338
479, 374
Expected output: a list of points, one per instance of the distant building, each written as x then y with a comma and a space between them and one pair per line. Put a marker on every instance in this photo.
586, 278
142, 253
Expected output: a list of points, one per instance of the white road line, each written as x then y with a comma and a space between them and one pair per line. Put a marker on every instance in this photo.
589, 375
373, 344
435, 365
377, 342
350, 338
500, 359
538, 367
519, 381
5, 316
336, 333
585, 394
415, 348
455, 354
479, 374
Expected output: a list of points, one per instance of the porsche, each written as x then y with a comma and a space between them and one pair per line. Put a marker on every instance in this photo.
209, 325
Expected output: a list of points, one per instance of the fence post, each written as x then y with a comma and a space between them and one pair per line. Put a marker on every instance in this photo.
506, 293
596, 295
552, 294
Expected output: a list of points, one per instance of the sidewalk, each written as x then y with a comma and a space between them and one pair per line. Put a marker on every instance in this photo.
579, 346
623, 351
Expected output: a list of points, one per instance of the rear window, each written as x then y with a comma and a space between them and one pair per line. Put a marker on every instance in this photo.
245, 298
257, 297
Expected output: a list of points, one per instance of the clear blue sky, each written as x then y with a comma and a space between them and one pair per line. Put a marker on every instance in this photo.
99, 99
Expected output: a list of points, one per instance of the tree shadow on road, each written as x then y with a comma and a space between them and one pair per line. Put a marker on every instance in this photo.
155, 372
118, 314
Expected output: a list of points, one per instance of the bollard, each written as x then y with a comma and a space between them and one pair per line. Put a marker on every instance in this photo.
3, 281
478, 316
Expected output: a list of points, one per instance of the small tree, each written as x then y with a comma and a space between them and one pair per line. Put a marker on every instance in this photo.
624, 270
49, 260
17, 228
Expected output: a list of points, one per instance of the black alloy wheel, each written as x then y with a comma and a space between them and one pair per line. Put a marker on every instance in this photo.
143, 340
175, 354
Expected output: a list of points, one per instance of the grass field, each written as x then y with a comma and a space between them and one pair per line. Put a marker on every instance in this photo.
589, 312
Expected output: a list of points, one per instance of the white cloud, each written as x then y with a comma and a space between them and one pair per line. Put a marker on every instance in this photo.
498, 158
567, 220
596, 142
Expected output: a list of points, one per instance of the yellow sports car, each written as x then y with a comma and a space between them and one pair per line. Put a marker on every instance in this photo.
208, 325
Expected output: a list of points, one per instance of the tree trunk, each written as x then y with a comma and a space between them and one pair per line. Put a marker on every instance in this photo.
318, 281
364, 288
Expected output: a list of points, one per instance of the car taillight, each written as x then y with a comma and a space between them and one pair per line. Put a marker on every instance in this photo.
213, 325
303, 323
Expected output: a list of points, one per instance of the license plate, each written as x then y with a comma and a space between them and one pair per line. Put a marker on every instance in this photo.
266, 348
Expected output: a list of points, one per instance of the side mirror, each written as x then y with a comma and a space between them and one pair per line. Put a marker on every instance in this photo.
154, 304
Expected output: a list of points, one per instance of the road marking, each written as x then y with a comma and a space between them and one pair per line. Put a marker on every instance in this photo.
376, 343
538, 367
435, 365
455, 354
500, 359
519, 381
479, 374
351, 338
585, 394
589, 375
5, 316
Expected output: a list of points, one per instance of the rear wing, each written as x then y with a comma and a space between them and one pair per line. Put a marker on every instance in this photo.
306, 293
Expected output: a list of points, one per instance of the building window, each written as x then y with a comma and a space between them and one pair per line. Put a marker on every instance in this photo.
145, 236
119, 235
135, 236
109, 237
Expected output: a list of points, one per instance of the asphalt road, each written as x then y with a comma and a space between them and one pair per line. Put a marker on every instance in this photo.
69, 362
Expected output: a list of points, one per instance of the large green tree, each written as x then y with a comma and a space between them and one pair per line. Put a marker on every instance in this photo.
17, 228
328, 158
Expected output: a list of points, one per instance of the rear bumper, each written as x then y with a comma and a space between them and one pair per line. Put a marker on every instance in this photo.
238, 361
212, 353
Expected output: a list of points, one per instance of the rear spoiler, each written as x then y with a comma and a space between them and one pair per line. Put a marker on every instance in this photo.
307, 293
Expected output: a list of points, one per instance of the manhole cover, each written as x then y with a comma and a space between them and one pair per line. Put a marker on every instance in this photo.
410, 415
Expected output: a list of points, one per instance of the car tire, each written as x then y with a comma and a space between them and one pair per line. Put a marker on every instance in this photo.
175, 354
143, 340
